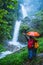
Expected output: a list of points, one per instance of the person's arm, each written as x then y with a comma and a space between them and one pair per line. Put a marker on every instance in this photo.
27, 38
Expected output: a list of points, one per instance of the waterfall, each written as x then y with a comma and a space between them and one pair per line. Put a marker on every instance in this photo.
16, 28
14, 41
15, 36
24, 12
16, 32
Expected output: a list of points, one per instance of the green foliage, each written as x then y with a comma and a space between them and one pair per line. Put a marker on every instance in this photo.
40, 41
40, 13
23, 27
7, 16
15, 59
2, 48
38, 22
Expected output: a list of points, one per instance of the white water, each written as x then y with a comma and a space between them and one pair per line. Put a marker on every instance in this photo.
3, 54
15, 36
16, 29
24, 12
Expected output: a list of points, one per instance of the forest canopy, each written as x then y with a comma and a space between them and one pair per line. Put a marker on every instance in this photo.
8, 13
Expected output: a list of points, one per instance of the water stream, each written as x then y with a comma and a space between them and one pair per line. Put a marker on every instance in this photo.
15, 36
16, 29
24, 11
14, 43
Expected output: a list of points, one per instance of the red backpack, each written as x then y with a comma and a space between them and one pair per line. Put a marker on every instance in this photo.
30, 43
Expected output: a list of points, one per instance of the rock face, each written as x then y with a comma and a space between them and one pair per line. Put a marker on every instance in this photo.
12, 48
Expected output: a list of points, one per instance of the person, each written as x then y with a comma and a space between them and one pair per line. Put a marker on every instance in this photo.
31, 50
36, 45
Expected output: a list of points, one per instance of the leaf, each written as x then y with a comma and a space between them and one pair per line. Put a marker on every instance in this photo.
10, 6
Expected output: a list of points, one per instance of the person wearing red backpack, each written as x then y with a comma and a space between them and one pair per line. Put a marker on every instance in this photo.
31, 50
30, 47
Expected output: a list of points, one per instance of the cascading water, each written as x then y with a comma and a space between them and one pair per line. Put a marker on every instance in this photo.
16, 32
16, 28
24, 12
15, 36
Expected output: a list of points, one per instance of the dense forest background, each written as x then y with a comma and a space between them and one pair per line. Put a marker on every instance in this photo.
8, 16
9, 13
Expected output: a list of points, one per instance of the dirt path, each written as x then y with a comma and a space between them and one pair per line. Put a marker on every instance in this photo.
36, 61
